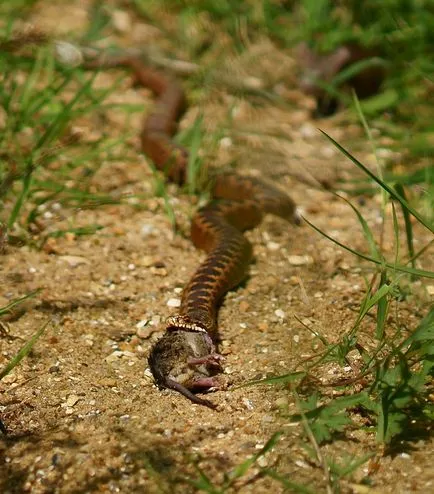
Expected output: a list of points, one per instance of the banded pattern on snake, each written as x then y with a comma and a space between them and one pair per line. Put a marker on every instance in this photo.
185, 358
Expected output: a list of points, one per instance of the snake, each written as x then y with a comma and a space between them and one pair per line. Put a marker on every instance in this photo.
185, 358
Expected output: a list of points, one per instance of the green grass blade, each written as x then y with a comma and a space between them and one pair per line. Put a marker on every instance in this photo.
62, 118
385, 186
408, 226
24, 351
194, 162
27, 181
203, 483
288, 484
397, 267
375, 252
382, 307
284, 379
242, 469
18, 301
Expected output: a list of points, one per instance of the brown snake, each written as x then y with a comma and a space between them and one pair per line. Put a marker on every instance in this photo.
185, 358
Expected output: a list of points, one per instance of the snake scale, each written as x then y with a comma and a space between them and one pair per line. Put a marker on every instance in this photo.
185, 357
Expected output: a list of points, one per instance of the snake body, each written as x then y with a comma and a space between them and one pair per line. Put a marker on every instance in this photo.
185, 357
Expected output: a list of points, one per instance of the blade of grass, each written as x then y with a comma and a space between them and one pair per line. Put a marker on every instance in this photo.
408, 226
396, 267
383, 184
24, 351
242, 469
18, 301
288, 484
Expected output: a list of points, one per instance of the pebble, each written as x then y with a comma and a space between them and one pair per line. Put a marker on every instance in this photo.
328, 151
244, 306
147, 261
147, 229
248, 404
308, 131
174, 302
225, 142
114, 356
296, 338
301, 464
71, 400
280, 314
148, 373
141, 324
300, 260
67, 53
145, 332
74, 261
273, 246
121, 21
281, 402
9, 379
107, 381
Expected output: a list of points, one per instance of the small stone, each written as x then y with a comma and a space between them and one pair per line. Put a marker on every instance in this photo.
300, 260
9, 379
244, 306
108, 382
148, 373
121, 21
50, 246
141, 324
114, 356
147, 261
281, 402
67, 53
158, 271
308, 131
296, 338
147, 230
253, 82
226, 142
248, 404
280, 314
263, 326
430, 289
174, 302
273, 246
156, 320
71, 400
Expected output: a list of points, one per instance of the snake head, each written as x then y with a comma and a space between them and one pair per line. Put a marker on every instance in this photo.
186, 361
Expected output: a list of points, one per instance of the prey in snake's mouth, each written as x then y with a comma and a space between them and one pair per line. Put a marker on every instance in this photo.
186, 361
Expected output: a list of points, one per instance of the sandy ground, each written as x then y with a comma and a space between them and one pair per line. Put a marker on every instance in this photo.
82, 411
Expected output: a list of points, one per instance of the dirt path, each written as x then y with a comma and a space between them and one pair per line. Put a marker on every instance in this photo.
83, 412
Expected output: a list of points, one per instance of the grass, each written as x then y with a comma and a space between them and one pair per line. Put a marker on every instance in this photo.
392, 388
